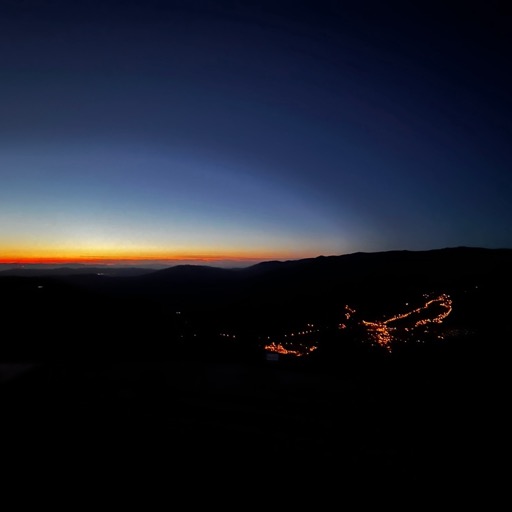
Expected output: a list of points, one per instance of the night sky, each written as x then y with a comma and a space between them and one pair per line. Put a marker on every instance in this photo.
248, 130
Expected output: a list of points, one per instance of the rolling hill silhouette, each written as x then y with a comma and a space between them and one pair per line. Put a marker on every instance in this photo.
71, 308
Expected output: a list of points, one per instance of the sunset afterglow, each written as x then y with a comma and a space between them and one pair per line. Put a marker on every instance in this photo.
233, 134
146, 257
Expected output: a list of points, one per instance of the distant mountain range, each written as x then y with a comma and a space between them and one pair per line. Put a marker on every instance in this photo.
462, 254
140, 307
319, 280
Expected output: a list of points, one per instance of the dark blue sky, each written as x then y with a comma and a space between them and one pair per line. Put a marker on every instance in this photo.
164, 129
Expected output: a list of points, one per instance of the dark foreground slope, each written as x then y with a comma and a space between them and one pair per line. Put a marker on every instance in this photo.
238, 432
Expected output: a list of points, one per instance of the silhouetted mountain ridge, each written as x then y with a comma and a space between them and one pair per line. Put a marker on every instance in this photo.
195, 272
140, 311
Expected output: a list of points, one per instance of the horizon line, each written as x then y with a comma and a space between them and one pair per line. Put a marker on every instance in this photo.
185, 259
108, 261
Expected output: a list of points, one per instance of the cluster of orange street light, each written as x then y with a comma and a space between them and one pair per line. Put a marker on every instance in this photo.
297, 351
295, 347
382, 334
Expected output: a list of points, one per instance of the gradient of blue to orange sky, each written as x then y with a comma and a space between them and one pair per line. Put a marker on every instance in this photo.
223, 131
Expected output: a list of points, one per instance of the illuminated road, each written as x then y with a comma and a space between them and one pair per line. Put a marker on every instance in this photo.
383, 333
409, 325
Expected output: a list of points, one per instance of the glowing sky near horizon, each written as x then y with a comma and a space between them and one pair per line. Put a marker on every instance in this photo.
181, 208
252, 130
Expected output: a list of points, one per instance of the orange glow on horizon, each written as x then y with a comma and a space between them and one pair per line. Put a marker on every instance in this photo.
120, 261
157, 258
